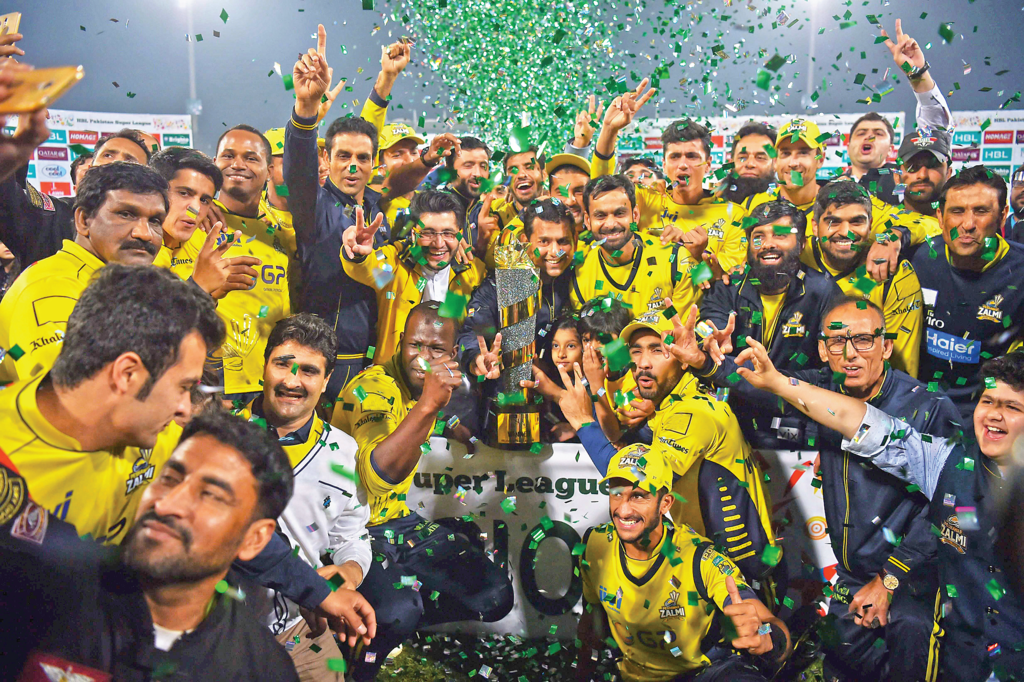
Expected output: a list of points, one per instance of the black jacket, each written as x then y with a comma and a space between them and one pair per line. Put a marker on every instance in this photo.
34, 225
793, 345
880, 182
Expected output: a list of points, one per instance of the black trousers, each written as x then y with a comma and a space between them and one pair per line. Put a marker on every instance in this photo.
852, 653
731, 668
457, 581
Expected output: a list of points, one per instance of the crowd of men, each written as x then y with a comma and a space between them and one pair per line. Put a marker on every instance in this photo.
221, 374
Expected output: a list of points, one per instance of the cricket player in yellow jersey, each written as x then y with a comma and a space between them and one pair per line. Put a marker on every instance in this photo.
421, 267
391, 410
243, 154
676, 608
686, 213
842, 216
119, 213
640, 272
90, 434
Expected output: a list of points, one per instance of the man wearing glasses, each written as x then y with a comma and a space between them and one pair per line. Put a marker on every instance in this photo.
1013, 229
878, 527
420, 268
842, 230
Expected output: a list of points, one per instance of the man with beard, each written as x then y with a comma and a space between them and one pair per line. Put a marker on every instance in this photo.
882, 585
471, 166
568, 174
327, 514
322, 214
1013, 228
643, 171
243, 156
842, 231
753, 169
390, 410
708, 227
163, 605
970, 281
872, 136
639, 272
780, 301
420, 268
712, 464
974, 614
119, 214
632, 593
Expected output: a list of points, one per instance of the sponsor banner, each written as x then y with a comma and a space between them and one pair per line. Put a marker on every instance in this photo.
952, 348
531, 510
994, 138
51, 164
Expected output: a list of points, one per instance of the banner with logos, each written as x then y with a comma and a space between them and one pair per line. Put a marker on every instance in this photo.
994, 138
72, 132
532, 510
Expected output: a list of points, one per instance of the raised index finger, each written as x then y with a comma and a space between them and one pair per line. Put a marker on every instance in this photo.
321, 40
734, 592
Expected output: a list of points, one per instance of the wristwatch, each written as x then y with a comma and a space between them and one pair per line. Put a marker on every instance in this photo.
423, 158
890, 582
916, 73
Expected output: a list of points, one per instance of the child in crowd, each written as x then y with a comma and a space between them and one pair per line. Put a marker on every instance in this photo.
601, 320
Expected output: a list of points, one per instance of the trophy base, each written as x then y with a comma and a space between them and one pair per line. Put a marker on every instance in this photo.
516, 430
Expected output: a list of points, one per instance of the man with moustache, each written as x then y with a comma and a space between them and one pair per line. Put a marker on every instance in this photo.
1013, 228
970, 281
640, 272
884, 586
322, 214
780, 301
842, 231
567, 175
753, 168
327, 515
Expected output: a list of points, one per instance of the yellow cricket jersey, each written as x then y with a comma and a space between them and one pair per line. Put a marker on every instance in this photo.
372, 406
695, 429
661, 610
899, 298
398, 279
655, 272
393, 207
250, 315
921, 226
281, 221
772, 307
97, 492
34, 312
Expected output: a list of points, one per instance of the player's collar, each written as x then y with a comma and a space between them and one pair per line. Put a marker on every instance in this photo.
656, 553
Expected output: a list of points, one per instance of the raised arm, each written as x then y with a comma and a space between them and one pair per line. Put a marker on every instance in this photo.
619, 115
406, 178
932, 110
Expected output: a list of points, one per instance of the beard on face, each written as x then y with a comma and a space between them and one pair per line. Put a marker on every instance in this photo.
778, 275
236, 192
738, 188
179, 568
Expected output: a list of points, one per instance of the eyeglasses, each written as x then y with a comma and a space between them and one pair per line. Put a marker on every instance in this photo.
920, 161
431, 235
861, 342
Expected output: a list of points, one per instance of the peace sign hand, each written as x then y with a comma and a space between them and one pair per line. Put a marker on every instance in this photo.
488, 363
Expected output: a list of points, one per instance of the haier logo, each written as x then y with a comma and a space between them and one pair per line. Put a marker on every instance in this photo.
52, 170
953, 348
998, 154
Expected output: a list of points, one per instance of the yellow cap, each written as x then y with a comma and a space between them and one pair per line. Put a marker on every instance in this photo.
641, 465
275, 136
804, 129
654, 320
567, 160
393, 133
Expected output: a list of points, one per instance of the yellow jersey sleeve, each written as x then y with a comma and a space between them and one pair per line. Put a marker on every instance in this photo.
904, 316
714, 569
163, 258
685, 437
732, 245
37, 318
599, 166
383, 259
374, 113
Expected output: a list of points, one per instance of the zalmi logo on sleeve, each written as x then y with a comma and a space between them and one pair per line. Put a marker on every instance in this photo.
991, 312
671, 607
795, 326
614, 601
952, 535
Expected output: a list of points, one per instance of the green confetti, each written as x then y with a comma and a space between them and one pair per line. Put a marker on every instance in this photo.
224, 15
454, 305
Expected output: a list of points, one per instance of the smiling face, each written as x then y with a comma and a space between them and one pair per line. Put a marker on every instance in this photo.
127, 228
636, 512
1017, 198
350, 162
685, 163
567, 186
424, 342
773, 253
610, 217
527, 176
190, 196
655, 370
551, 246
797, 157
843, 233
438, 236
971, 213
471, 167
193, 519
750, 157
294, 378
999, 421
870, 144
243, 160
863, 368
398, 155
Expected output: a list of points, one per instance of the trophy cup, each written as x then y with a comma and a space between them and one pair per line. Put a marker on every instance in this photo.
517, 416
